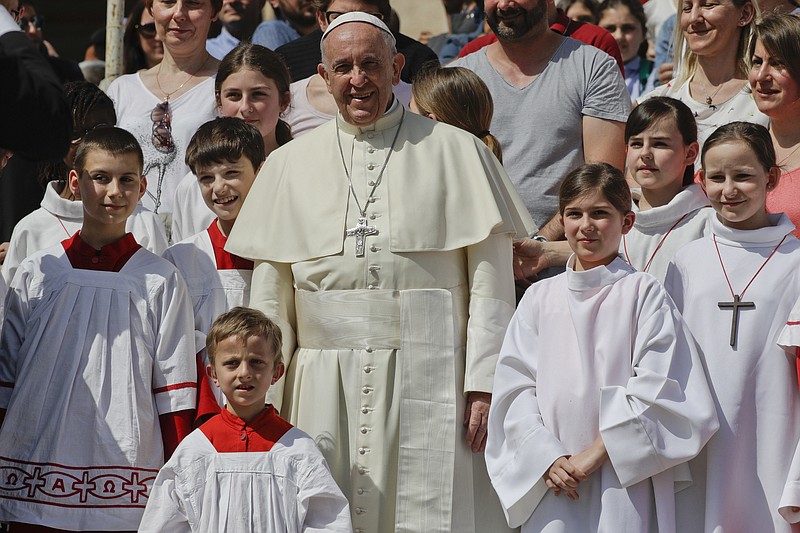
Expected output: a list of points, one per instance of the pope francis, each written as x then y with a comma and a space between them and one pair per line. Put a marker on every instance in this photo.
382, 243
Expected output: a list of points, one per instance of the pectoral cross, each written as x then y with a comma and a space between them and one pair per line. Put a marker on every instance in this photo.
360, 231
735, 305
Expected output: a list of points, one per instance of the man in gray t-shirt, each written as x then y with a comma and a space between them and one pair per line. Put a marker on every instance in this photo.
557, 103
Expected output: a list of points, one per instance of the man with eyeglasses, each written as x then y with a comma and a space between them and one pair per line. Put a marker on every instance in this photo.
303, 55
295, 18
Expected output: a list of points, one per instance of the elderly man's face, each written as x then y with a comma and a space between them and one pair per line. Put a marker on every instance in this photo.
360, 71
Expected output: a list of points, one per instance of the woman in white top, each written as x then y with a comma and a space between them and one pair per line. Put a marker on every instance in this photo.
712, 72
163, 106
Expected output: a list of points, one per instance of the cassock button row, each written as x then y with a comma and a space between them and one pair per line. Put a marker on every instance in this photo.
369, 349
372, 288
371, 150
370, 167
366, 390
364, 431
359, 510
365, 410
373, 248
362, 451
370, 182
373, 216
362, 471
361, 491
367, 370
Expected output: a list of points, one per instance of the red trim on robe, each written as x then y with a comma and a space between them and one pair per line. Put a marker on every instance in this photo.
17, 527
110, 258
229, 433
225, 260
174, 428
207, 405
176, 386
793, 323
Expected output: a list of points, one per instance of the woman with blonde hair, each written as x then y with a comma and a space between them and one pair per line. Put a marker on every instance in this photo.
456, 96
711, 76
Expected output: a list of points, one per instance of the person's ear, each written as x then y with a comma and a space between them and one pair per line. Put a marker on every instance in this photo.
627, 222
142, 186
691, 154
212, 374
324, 73
73, 184
279, 370
433, 116
398, 62
748, 13
701, 175
773, 178
286, 99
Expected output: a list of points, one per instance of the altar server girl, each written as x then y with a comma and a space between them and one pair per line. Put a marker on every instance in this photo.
736, 288
671, 210
599, 392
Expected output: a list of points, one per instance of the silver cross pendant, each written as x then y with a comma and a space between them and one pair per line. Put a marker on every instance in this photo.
360, 231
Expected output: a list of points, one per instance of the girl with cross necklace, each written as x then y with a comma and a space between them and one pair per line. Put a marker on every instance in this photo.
746, 273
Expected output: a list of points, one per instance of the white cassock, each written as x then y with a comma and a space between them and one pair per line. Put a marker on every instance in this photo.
190, 214
259, 477
604, 352
382, 348
58, 219
89, 360
215, 285
658, 233
790, 499
739, 476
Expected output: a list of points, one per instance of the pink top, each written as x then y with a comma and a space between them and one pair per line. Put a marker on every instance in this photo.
785, 198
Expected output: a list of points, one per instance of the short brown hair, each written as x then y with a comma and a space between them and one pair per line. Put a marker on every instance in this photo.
107, 139
244, 322
225, 139
596, 177
383, 7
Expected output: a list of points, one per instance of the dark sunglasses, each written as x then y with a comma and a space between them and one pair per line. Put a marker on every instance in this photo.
162, 128
148, 31
37, 21
15, 14
330, 16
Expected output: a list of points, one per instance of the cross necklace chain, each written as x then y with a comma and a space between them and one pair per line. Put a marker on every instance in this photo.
737, 304
362, 229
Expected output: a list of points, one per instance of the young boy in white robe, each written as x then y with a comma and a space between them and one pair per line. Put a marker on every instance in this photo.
225, 154
599, 394
736, 289
61, 214
671, 210
246, 470
97, 367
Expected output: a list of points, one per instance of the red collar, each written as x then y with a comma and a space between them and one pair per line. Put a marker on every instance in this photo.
564, 23
225, 260
110, 258
228, 433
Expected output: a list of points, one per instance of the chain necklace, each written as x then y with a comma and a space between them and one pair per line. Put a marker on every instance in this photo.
191, 76
736, 304
362, 229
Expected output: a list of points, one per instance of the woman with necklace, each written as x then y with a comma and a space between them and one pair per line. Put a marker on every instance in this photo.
712, 73
775, 80
163, 106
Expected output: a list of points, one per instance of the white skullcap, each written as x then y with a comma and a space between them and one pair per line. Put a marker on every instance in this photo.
358, 16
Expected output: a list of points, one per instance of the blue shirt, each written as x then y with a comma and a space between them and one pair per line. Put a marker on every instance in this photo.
220, 45
274, 33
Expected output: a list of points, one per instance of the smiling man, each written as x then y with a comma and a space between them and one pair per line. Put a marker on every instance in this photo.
382, 243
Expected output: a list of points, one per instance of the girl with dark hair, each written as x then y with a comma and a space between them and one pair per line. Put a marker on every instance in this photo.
626, 21
252, 83
671, 210
599, 391
736, 288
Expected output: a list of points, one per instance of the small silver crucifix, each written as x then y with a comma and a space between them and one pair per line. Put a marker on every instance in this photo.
360, 231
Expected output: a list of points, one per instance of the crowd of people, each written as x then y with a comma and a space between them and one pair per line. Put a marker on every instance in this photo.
311, 274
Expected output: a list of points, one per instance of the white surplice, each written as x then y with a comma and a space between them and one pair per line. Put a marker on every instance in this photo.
58, 219
739, 476
388, 344
190, 214
89, 360
604, 352
213, 291
685, 218
208, 486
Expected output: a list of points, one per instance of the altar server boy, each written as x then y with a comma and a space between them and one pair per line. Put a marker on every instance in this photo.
246, 470
225, 154
97, 368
